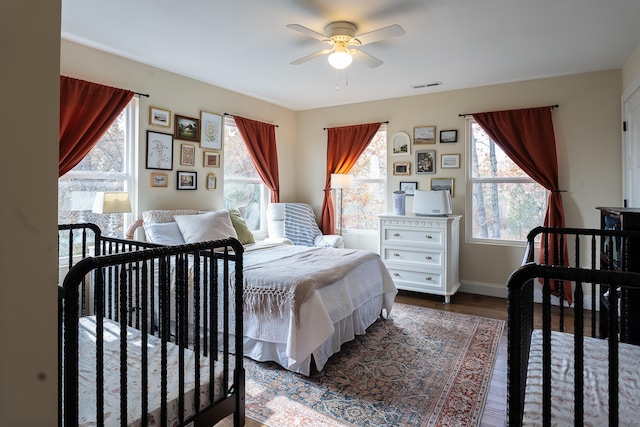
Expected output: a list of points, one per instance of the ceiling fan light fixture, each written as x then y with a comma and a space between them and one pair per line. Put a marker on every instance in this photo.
340, 58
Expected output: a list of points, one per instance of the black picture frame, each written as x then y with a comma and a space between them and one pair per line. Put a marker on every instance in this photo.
409, 187
187, 180
447, 136
159, 151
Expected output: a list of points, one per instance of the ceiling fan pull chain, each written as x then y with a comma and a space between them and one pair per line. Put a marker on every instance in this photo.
336, 80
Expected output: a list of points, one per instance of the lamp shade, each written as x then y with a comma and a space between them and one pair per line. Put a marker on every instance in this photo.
341, 180
340, 58
109, 202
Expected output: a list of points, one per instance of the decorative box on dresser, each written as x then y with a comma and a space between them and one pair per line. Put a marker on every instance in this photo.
422, 252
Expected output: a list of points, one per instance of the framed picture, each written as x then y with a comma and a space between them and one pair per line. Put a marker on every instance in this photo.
211, 181
159, 117
187, 180
450, 161
211, 160
400, 144
409, 188
442, 184
424, 135
448, 136
158, 179
187, 128
401, 168
211, 131
187, 155
426, 161
159, 150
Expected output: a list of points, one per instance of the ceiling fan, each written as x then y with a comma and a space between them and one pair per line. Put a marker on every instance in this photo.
344, 43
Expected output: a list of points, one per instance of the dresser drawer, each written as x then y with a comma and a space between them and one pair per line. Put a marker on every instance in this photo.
419, 279
425, 236
431, 258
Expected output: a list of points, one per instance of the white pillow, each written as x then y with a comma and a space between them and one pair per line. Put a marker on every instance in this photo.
166, 233
204, 227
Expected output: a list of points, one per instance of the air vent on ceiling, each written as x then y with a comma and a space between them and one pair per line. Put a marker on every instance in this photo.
424, 85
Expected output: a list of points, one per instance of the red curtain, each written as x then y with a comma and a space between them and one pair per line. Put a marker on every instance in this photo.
527, 137
260, 139
87, 110
344, 147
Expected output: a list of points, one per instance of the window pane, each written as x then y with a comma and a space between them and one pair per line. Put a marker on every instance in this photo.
75, 202
488, 159
507, 211
366, 198
361, 205
243, 187
246, 196
108, 155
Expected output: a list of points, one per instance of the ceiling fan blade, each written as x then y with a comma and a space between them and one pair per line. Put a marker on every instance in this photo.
394, 30
304, 30
365, 58
311, 56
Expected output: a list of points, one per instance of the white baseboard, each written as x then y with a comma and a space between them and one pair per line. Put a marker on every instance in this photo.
480, 288
500, 291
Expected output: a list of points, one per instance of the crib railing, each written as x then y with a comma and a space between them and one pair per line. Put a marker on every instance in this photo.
171, 292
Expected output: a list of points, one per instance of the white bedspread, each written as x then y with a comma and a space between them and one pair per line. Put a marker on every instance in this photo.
596, 382
112, 390
345, 280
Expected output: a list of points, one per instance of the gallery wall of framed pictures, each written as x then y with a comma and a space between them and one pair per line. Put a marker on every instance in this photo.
426, 152
188, 138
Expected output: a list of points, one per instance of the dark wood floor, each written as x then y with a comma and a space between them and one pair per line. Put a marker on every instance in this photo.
495, 410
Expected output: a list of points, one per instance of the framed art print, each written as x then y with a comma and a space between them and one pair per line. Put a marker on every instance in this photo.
211, 131
409, 188
401, 168
442, 184
211, 181
426, 161
159, 150
187, 180
211, 160
448, 136
424, 135
187, 128
158, 179
450, 161
159, 117
187, 155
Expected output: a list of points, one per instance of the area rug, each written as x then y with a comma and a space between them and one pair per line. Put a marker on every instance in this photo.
421, 367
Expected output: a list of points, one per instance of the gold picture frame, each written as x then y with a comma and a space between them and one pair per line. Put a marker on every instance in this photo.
401, 168
186, 128
211, 159
442, 184
424, 135
211, 181
187, 155
159, 117
158, 180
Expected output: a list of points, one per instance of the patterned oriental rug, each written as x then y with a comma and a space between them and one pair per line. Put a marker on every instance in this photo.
422, 367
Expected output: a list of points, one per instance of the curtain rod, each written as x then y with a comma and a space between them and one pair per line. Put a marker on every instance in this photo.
387, 122
231, 115
471, 114
146, 95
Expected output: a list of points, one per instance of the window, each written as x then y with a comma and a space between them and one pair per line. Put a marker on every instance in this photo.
107, 167
243, 187
367, 198
505, 202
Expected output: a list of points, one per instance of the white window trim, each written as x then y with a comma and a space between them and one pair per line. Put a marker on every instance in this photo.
470, 180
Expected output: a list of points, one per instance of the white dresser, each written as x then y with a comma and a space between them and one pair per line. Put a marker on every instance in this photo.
422, 253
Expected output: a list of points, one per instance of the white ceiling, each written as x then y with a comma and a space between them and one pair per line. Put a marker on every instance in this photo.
245, 46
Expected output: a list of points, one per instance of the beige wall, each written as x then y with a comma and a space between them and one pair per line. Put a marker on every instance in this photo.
588, 144
30, 87
186, 97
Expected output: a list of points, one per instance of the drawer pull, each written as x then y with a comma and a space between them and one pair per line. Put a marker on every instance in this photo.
428, 257
428, 278
428, 236
396, 234
396, 274
396, 254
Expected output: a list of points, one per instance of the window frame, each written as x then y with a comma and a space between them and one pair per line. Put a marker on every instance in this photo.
129, 175
471, 181
265, 192
362, 181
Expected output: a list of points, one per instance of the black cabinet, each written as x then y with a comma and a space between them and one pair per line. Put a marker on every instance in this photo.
621, 252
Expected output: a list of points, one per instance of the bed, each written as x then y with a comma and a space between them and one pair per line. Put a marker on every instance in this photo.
300, 303
127, 355
563, 367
